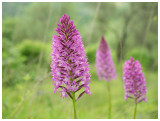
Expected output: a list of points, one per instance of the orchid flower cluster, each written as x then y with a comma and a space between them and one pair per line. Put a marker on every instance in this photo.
134, 81
69, 66
70, 69
104, 62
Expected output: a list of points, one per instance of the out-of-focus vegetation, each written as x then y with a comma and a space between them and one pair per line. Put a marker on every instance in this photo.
131, 29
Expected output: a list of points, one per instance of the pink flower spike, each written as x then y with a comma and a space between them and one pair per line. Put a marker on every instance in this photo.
69, 62
134, 81
104, 62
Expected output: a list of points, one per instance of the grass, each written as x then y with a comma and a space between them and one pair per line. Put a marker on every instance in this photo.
36, 100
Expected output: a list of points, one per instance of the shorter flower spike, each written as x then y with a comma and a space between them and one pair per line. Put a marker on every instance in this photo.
134, 81
104, 62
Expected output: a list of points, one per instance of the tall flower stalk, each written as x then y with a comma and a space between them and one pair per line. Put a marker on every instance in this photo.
134, 82
105, 68
69, 66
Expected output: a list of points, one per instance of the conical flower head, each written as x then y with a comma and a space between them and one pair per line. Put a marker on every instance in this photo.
69, 66
134, 81
104, 62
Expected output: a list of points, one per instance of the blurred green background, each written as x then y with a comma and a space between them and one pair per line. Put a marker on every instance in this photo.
131, 29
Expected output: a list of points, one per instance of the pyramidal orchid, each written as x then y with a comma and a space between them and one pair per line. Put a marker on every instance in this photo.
134, 82
105, 67
104, 62
69, 66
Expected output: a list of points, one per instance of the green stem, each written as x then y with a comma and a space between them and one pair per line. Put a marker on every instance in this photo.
109, 100
74, 105
135, 109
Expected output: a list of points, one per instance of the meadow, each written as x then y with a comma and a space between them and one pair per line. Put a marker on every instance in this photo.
27, 90
37, 100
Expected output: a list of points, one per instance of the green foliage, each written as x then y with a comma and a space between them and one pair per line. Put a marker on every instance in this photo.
31, 49
11, 55
6, 44
8, 27
91, 53
12, 62
25, 53
142, 55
